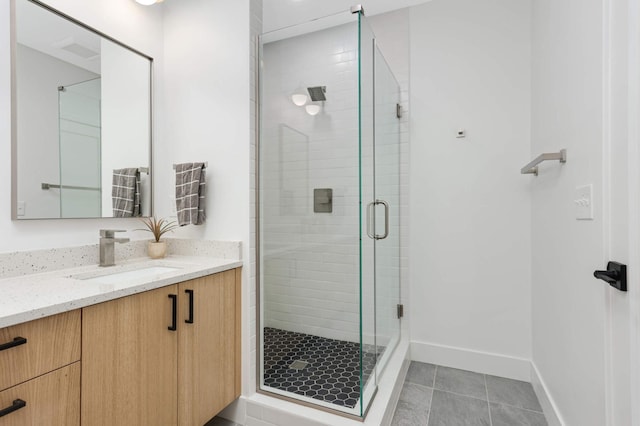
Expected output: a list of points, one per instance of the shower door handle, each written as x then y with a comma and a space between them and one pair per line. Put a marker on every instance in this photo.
386, 220
370, 209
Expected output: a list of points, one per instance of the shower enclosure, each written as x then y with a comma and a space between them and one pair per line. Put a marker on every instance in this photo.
328, 168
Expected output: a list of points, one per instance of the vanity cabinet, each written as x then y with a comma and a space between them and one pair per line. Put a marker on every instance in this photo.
169, 356
40, 372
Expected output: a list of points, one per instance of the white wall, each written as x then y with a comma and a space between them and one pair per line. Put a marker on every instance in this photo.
134, 25
567, 112
206, 117
470, 214
125, 119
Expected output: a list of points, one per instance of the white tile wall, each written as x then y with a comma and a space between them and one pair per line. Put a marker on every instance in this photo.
311, 260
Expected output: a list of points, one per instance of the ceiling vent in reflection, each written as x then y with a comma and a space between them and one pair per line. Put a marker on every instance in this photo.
71, 46
317, 93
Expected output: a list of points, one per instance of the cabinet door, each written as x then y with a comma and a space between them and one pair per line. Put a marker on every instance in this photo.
208, 355
129, 366
52, 399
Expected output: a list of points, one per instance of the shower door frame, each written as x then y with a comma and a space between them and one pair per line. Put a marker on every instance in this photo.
371, 387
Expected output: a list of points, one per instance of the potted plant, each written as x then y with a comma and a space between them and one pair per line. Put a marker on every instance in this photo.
157, 249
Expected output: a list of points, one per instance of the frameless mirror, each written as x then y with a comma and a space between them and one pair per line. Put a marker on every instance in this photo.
81, 118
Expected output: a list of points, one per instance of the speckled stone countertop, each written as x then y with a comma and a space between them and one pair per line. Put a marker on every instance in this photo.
30, 296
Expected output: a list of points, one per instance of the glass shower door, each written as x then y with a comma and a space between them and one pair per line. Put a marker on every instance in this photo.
80, 149
379, 97
387, 114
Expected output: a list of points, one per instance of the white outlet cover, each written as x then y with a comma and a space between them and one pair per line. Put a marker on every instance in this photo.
583, 202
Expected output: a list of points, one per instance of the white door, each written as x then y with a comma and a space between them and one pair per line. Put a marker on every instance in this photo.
622, 208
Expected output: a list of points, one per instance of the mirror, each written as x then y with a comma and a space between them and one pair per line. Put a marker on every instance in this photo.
82, 120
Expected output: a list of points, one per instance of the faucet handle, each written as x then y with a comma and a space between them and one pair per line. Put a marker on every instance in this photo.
110, 233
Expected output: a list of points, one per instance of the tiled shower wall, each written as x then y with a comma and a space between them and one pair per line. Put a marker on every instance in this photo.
311, 260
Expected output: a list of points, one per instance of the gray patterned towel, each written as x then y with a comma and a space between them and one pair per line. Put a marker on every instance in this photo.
190, 181
125, 192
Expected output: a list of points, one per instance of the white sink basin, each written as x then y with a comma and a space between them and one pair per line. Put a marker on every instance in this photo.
116, 277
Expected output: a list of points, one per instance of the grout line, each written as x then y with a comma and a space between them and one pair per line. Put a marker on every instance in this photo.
519, 408
435, 372
460, 394
486, 390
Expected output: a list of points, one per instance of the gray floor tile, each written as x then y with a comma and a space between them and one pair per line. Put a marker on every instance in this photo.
406, 415
512, 392
461, 381
417, 397
505, 415
421, 373
448, 409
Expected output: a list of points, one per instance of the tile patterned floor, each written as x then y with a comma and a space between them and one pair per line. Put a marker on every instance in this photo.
438, 396
332, 373
441, 396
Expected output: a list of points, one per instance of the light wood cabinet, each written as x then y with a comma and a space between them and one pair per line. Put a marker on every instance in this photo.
129, 359
138, 370
208, 348
52, 399
37, 347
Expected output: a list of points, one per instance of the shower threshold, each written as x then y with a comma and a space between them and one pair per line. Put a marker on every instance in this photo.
319, 368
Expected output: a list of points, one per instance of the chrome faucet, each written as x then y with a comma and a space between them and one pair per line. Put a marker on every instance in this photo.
107, 243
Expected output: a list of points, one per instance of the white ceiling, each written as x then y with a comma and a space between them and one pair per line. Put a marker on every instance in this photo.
46, 32
282, 13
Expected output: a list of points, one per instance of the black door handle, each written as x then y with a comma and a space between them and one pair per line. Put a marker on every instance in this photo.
615, 275
12, 344
190, 319
174, 312
17, 404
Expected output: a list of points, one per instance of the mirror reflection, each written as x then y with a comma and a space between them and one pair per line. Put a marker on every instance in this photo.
83, 120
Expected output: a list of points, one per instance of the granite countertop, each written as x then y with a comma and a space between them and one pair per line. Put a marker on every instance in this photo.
32, 296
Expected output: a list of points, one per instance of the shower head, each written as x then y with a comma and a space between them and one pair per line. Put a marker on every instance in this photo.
317, 93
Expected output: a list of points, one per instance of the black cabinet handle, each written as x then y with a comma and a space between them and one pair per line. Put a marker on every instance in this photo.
15, 342
190, 320
615, 275
174, 312
17, 404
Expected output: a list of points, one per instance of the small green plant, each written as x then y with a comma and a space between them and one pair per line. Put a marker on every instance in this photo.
158, 227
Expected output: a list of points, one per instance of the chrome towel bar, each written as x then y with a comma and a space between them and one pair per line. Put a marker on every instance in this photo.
532, 167
56, 186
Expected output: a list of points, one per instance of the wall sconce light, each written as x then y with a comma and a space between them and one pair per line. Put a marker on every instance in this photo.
312, 109
299, 96
148, 2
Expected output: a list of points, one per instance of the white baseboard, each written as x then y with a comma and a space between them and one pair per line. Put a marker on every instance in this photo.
549, 407
468, 359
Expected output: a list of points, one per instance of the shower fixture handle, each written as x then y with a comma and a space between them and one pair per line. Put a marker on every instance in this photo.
370, 209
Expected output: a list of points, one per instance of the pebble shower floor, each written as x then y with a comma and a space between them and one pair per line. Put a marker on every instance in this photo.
332, 371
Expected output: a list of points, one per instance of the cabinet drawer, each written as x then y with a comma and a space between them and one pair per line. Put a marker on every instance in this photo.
51, 343
52, 399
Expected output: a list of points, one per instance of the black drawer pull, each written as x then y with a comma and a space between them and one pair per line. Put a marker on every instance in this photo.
17, 404
16, 342
174, 312
190, 320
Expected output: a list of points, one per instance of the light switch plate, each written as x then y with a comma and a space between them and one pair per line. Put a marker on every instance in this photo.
584, 202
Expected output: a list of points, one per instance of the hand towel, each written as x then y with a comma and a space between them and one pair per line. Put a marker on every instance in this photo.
190, 186
125, 192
